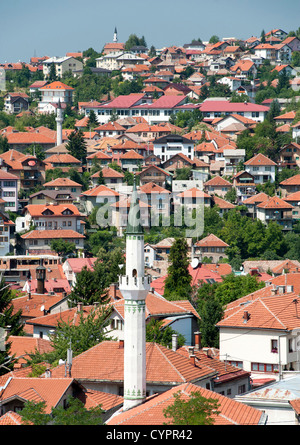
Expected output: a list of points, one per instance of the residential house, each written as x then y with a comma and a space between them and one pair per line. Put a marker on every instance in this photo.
159, 200
222, 205
29, 170
252, 202
262, 168
155, 174
55, 92
232, 158
73, 266
217, 186
62, 65
285, 118
244, 69
65, 162
154, 409
210, 247
266, 51
110, 129
15, 103
112, 178
279, 33
168, 146
131, 161
244, 185
99, 196
119, 214
277, 210
9, 191
51, 197
262, 330
99, 157
22, 140
52, 217
64, 185
174, 369
7, 228
294, 200
118, 60
289, 156
191, 199
39, 241
290, 185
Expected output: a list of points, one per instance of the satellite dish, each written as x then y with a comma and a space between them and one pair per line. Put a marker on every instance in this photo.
194, 263
42, 308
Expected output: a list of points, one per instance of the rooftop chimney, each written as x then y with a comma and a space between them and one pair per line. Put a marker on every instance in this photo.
121, 344
79, 307
197, 340
174, 342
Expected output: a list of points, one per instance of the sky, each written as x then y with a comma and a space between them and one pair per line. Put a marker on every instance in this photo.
55, 27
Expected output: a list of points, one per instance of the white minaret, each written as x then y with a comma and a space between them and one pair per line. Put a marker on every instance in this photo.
59, 121
115, 36
134, 287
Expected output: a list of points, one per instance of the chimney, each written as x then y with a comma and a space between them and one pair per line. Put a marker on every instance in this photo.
48, 373
246, 316
79, 307
113, 290
197, 340
273, 291
174, 342
193, 359
121, 344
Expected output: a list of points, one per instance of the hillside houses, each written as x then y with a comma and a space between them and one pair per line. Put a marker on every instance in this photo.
171, 143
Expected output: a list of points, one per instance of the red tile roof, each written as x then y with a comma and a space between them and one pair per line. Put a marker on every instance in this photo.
50, 234
218, 181
211, 241
194, 192
293, 180
260, 159
57, 85
100, 190
105, 362
151, 412
60, 182
274, 203
56, 209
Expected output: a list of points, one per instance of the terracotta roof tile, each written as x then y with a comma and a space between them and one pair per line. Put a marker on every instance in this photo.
50, 234
274, 202
218, 181
211, 240
151, 412
260, 159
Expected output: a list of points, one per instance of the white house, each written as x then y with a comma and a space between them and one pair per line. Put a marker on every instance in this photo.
262, 168
261, 331
72, 266
170, 145
9, 190
62, 65
117, 60
53, 93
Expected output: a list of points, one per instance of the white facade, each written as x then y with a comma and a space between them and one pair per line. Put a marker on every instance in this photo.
62, 65
262, 173
168, 146
9, 191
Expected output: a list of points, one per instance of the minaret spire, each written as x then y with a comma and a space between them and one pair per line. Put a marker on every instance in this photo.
115, 35
59, 121
134, 287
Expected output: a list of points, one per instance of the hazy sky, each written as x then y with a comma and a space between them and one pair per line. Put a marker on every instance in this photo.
39, 27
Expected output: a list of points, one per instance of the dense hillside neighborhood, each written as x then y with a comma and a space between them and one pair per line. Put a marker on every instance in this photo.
150, 214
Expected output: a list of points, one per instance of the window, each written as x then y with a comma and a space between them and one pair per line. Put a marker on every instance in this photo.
241, 389
264, 367
274, 346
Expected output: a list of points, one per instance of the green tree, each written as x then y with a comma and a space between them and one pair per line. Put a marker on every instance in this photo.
87, 289
74, 414
192, 410
52, 73
263, 36
8, 318
134, 40
93, 122
210, 312
178, 281
76, 145
157, 333
214, 39
62, 247
4, 145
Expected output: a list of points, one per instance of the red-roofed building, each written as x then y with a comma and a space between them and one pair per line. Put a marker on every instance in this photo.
151, 412
40, 240
55, 92
262, 168
276, 209
218, 186
211, 247
212, 109
73, 266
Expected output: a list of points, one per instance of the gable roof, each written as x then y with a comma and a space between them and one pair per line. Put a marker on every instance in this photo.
100, 190
260, 159
211, 240
218, 181
151, 412
174, 368
274, 202
56, 209
293, 180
